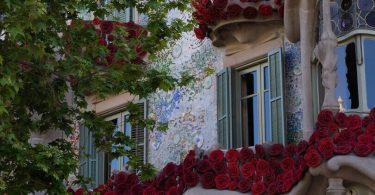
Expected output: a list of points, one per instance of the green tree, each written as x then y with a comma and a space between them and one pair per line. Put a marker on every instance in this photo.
43, 57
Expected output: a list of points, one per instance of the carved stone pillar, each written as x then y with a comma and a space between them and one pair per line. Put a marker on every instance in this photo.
335, 187
325, 51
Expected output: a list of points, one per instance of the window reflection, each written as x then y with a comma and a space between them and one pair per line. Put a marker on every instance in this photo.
347, 87
369, 59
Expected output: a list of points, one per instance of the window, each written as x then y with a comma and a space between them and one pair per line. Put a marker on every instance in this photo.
250, 103
355, 70
99, 166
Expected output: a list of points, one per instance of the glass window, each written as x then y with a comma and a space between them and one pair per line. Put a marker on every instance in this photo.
369, 60
266, 104
347, 87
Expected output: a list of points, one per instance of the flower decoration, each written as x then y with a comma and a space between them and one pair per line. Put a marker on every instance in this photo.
274, 170
209, 12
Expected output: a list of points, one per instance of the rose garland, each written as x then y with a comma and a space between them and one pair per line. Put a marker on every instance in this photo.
208, 13
267, 170
108, 37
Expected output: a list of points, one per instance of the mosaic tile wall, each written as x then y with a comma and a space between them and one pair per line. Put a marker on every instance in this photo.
191, 110
293, 85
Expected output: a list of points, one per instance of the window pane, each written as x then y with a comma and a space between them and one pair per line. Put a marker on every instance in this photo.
267, 116
369, 48
347, 86
249, 84
250, 119
127, 126
266, 79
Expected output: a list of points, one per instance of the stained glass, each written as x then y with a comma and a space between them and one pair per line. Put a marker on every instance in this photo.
346, 22
346, 4
370, 19
365, 5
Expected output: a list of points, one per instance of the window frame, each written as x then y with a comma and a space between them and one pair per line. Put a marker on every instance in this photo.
356, 37
257, 66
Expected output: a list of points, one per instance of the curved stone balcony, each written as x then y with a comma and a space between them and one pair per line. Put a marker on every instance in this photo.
237, 21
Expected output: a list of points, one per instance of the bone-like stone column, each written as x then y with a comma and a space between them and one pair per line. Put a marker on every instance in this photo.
335, 187
307, 21
325, 51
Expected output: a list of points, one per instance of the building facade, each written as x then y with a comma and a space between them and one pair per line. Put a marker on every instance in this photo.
261, 77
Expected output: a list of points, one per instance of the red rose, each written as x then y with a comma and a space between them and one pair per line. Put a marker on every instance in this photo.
312, 158
102, 42
96, 21
370, 129
150, 190
220, 4
274, 162
287, 164
272, 188
189, 162
233, 170
278, 2
233, 185
216, 156
80, 191
232, 155
263, 168
324, 118
137, 189
258, 188
301, 147
203, 166
234, 10
362, 150
199, 33
365, 139
110, 193
208, 180
290, 150
341, 118
333, 127
354, 123
247, 169
191, 179
259, 151
170, 182
265, 10
366, 121
326, 147
244, 185
106, 27
250, 12
172, 191
170, 169
322, 132
246, 154
372, 114
276, 150
343, 149
219, 167
222, 181
344, 136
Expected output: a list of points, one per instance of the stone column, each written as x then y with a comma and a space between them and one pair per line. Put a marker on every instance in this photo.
325, 51
335, 187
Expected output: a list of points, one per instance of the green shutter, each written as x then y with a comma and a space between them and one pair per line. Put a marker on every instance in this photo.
224, 108
139, 135
88, 156
276, 100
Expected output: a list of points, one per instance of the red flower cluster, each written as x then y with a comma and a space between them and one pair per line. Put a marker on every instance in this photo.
272, 170
209, 12
106, 38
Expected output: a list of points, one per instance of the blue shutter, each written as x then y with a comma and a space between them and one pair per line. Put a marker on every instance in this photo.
277, 94
224, 108
138, 134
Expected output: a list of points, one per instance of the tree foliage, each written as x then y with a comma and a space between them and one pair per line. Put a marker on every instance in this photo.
43, 57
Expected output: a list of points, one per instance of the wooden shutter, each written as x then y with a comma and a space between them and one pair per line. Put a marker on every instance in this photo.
138, 134
88, 156
224, 108
277, 94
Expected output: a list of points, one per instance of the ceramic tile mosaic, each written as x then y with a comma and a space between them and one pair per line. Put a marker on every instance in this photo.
293, 87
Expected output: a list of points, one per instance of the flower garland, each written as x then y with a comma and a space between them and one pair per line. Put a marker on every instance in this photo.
108, 36
267, 170
208, 13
